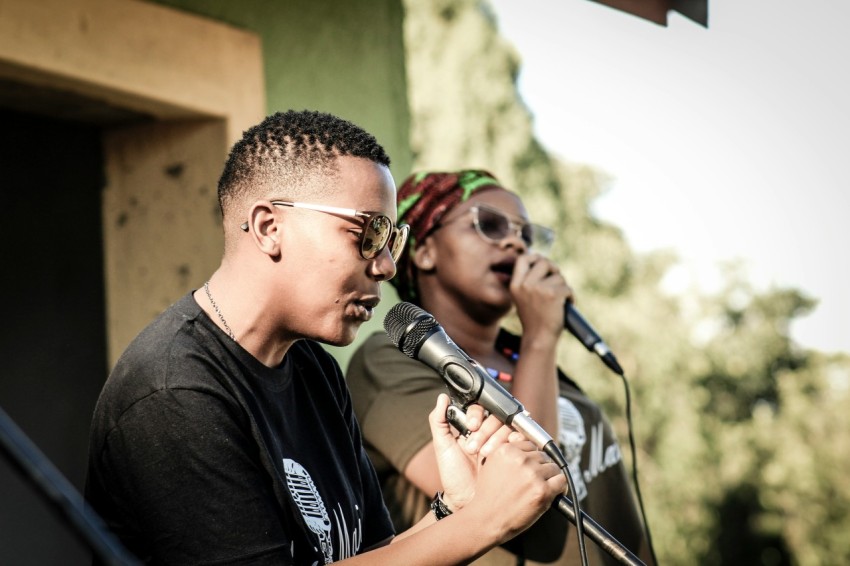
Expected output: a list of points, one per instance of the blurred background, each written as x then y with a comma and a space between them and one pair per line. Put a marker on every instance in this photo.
690, 171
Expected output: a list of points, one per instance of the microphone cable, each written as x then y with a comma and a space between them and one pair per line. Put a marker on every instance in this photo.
633, 451
557, 456
575, 323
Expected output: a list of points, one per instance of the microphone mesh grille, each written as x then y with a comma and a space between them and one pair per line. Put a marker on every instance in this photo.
406, 324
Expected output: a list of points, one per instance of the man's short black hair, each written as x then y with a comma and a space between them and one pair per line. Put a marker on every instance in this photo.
286, 148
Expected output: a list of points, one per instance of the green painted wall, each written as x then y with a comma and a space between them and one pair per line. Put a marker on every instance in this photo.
342, 57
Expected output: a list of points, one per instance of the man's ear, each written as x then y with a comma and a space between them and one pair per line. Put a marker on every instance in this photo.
424, 256
264, 228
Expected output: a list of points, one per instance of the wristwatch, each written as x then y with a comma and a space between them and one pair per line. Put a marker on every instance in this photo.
439, 507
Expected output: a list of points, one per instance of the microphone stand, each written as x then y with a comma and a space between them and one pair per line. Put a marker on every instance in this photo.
596, 533
58, 491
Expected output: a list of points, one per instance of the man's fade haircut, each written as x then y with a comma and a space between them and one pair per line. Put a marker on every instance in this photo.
286, 148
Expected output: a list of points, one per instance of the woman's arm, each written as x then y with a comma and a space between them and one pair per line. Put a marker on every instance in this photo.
539, 291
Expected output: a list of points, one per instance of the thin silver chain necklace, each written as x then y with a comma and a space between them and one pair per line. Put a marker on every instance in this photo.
218, 312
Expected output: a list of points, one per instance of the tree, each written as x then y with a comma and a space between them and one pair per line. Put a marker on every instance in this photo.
742, 437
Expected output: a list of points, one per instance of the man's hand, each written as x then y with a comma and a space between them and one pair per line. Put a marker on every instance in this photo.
493, 470
458, 456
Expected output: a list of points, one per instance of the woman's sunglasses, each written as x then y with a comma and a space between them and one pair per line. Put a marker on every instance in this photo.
493, 226
378, 230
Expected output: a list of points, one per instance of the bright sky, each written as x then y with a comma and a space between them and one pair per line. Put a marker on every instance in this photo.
727, 142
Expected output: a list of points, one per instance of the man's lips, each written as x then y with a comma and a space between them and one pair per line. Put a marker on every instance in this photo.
366, 306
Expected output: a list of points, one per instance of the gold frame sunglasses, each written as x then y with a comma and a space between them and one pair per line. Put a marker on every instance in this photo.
378, 229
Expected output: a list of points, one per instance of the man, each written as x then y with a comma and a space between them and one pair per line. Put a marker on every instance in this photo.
225, 434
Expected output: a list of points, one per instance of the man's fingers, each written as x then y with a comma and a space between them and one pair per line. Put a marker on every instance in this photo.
490, 434
440, 430
475, 416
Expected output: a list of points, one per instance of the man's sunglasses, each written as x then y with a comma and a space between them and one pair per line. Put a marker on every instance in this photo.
378, 230
493, 226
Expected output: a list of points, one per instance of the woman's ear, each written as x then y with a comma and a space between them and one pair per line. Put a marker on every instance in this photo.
264, 228
424, 256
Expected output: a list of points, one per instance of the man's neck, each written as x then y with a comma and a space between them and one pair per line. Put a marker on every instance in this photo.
236, 306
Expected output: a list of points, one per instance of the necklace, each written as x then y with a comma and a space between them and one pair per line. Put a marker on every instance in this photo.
504, 376
218, 312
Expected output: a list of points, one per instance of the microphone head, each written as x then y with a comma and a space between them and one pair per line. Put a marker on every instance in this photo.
406, 324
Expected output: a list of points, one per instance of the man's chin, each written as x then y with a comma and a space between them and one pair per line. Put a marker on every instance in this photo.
345, 338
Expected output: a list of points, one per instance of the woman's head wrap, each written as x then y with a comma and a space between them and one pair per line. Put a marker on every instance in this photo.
423, 200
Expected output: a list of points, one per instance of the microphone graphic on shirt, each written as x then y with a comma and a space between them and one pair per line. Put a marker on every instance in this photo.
310, 503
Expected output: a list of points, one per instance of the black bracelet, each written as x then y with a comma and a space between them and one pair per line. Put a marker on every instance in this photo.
439, 507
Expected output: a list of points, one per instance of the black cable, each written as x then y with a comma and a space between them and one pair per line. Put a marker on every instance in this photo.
553, 452
635, 467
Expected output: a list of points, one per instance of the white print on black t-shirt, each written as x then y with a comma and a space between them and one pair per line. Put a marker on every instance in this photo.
312, 507
349, 544
310, 503
600, 458
572, 437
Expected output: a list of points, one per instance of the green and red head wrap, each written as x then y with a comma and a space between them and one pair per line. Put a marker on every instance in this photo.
423, 200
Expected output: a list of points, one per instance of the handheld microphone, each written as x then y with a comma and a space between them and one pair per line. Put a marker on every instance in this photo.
419, 336
581, 329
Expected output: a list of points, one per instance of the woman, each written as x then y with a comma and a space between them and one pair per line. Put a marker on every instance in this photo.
473, 257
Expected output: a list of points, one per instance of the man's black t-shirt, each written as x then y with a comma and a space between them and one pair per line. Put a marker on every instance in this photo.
201, 454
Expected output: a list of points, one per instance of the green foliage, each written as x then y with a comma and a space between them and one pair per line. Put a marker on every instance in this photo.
743, 438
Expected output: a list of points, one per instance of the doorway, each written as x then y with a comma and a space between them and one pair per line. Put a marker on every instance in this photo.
54, 333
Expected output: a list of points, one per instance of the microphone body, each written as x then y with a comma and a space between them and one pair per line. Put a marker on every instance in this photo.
581, 329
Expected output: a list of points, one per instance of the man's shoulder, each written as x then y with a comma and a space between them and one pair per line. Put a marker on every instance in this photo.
159, 335
177, 313
144, 365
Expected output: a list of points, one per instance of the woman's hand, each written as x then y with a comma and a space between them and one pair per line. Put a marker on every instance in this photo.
539, 290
